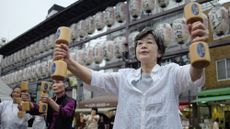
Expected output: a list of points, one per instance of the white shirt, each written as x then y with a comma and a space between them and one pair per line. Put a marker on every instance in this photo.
155, 108
9, 116
39, 122
144, 83
92, 121
215, 125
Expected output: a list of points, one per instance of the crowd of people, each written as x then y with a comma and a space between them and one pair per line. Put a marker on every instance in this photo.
148, 97
61, 111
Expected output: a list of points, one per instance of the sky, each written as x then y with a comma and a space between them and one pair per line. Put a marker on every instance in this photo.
18, 16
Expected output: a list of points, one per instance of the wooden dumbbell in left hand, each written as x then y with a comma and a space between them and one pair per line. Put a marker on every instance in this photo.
198, 51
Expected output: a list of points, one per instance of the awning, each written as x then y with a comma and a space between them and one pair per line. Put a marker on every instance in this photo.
215, 92
99, 102
212, 99
89, 109
213, 95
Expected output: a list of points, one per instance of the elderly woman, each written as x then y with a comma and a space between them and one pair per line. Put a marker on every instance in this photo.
61, 107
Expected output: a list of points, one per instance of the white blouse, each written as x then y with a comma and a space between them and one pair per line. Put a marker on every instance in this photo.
155, 108
9, 116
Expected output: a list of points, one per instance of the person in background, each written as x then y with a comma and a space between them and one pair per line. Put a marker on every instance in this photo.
216, 124
110, 116
39, 122
148, 97
9, 113
103, 122
81, 123
61, 108
92, 119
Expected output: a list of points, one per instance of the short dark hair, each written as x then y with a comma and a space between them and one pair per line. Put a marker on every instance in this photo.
158, 39
66, 82
17, 86
95, 109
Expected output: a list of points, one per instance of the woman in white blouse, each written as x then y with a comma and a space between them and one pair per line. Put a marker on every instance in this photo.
148, 97
9, 113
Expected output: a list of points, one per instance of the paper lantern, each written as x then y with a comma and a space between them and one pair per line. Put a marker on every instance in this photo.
51, 40
148, 5
38, 70
166, 32
109, 16
98, 53
180, 31
205, 20
218, 17
120, 12
109, 46
89, 58
135, 8
119, 46
81, 28
163, 3
14, 57
131, 44
80, 56
90, 25
73, 28
99, 21
27, 52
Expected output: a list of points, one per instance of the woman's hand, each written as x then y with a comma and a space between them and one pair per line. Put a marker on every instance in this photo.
61, 51
24, 97
198, 31
45, 99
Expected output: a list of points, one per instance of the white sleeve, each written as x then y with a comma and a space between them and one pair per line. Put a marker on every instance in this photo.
2, 107
86, 117
183, 79
97, 117
107, 81
28, 116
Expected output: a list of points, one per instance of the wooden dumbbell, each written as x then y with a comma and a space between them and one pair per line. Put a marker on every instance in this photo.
24, 91
44, 89
198, 51
20, 113
59, 67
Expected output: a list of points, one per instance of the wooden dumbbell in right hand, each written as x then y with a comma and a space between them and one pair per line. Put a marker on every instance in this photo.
59, 67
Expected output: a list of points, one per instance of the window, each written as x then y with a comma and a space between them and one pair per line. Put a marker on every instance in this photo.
223, 69
228, 68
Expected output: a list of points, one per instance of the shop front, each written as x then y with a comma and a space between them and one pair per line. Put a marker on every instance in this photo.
103, 103
213, 105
